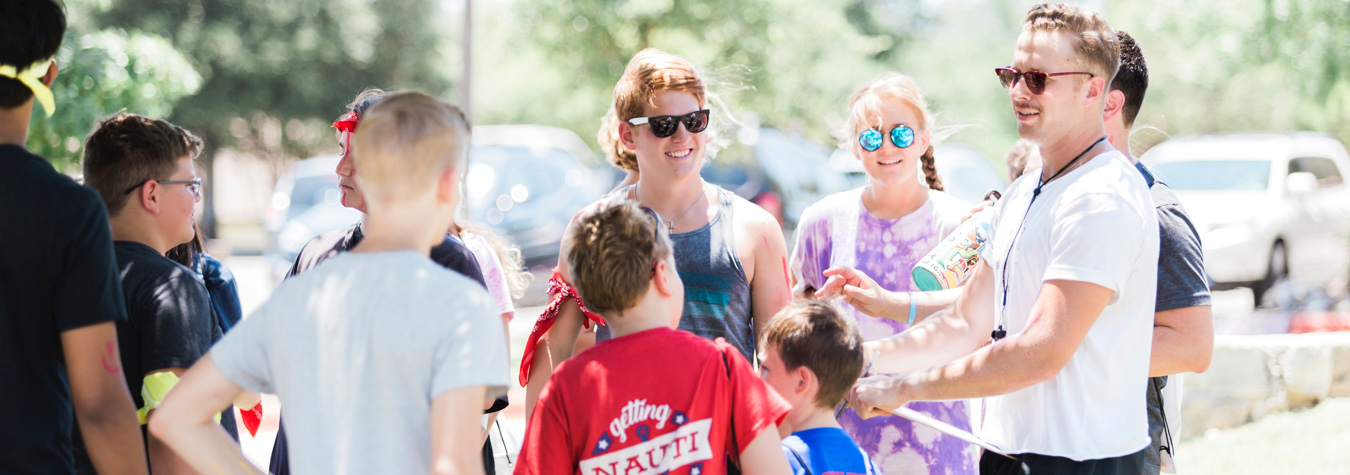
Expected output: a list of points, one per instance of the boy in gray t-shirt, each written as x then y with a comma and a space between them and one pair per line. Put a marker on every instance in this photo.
382, 358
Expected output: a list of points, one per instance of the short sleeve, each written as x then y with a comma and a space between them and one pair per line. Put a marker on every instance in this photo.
547, 448
472, 351
1095, 238
1181, 263
175, 326
90, 290
454, 255
241, 356
810, 252
999, 209
754, 405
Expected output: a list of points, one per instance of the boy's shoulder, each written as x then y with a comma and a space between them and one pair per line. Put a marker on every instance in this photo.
651, 349
144, 271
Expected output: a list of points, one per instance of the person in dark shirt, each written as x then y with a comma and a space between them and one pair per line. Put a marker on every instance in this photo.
142, 169
59, 295
1183, 321
451, 254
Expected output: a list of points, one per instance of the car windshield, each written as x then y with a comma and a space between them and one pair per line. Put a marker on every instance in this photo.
1215, 174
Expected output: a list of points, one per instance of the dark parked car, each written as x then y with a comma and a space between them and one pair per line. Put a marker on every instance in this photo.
781, 172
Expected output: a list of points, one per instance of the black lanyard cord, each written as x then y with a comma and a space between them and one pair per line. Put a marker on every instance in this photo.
999, 332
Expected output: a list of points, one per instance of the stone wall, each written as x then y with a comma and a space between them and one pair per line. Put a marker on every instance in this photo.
1254, 375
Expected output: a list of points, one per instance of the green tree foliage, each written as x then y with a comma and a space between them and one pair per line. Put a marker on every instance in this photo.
792, 63
101, 73
1251, 66
296, 63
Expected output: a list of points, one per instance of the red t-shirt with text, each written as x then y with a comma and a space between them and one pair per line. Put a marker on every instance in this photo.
655, 401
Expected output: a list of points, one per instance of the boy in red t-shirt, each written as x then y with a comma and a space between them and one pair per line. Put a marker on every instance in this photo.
653, 399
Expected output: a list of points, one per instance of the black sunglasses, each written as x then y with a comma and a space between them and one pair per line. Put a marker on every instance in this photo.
1035, 79
665, 125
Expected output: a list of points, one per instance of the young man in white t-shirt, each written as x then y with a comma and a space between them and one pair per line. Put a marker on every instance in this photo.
382, 358
1067, 287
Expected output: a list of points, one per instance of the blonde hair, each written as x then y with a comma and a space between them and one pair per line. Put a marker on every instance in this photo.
508, 254
650, 72
1094, 41
405, 141
864, 111
611, 247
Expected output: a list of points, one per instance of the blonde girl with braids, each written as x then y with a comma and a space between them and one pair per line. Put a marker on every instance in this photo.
882, 230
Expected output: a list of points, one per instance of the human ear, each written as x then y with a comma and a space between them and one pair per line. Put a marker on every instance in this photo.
1096, 88
626, 135
1115, 102
659, 279
149, 196
803, 377
50, 78
447, 186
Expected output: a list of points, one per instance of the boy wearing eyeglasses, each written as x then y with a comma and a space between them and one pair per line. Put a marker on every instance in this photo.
652, 399
143, 169
1053, 331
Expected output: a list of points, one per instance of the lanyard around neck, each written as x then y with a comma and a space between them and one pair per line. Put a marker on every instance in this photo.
999, 332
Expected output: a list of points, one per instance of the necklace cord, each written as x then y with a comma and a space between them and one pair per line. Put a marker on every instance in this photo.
999, 332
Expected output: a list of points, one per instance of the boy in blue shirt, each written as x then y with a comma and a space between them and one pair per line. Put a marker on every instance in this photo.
812, 355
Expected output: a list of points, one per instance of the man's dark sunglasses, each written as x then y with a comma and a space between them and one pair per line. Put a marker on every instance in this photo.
1035, 79
665, 125
194, 184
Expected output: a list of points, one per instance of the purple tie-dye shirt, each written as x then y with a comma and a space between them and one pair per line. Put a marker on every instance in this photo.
886, 250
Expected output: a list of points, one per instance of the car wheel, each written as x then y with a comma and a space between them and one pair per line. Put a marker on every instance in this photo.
1276, 271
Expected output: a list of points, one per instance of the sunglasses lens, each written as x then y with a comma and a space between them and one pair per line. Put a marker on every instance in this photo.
1007, 76
663, 126
1035, 81
870, 140
696, 122
902, 136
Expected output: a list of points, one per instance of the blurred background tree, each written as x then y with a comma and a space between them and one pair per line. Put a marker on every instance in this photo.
102, 72
276, 73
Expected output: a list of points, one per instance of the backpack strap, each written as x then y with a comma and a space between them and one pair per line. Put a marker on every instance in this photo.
797, 454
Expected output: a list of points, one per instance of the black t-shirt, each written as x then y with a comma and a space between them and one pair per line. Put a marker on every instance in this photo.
57, 273
451, 254
169, 322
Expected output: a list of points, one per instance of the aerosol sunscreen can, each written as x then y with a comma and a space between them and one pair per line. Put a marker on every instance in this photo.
954, 259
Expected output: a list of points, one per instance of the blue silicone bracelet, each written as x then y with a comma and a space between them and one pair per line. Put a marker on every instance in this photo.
913, 309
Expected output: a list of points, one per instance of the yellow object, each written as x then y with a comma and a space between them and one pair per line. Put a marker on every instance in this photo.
153, 389
32, 77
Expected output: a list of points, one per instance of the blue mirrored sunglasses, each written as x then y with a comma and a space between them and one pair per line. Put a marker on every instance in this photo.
871, 139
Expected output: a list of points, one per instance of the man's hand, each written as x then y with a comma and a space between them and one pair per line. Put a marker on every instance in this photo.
858, 290
876, 396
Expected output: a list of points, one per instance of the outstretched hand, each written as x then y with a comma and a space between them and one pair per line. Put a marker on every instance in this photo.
857, 289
